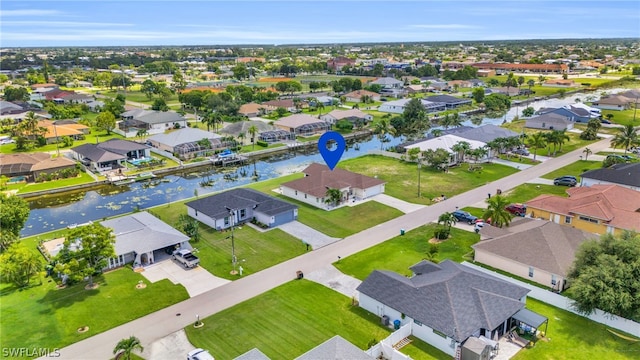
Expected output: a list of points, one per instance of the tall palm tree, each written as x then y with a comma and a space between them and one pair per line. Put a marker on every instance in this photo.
436, 132
626, 138
447, 219
381, 129
456, 120
536, 141
587, 152
552, 139
562, 138
253, 130
496, 211
127, 346
461, 148
320, 107
445, 121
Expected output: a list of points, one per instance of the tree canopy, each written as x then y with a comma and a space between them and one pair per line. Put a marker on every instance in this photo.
606, 275
15, 211
497, 102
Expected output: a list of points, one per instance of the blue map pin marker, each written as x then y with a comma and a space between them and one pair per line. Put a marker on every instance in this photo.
331, 156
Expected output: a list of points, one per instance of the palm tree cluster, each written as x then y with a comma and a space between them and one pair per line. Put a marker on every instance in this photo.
626, 138
556, 138
450, 120
503, 144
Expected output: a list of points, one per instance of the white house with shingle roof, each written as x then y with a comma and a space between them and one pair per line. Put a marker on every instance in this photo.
353, 115
302, 124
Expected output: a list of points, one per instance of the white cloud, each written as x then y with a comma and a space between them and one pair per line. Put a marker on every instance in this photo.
29, 12
45, 23
444, 26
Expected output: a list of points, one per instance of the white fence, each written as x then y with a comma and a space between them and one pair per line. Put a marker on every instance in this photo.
385, 348
564, 303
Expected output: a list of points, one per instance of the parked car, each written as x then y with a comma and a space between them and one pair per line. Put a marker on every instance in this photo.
566, 180
517, 209
199, 354
523, 152
7, 141
186, 258
465, 217
605, 121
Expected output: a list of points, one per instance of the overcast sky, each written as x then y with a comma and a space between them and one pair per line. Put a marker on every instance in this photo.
176, 22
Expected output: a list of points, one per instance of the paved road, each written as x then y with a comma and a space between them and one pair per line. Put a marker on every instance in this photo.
166, 321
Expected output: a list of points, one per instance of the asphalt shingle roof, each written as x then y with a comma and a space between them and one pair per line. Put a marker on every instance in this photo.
623, 174
319, 178
215, 206
448, 297
336, 348
183, 136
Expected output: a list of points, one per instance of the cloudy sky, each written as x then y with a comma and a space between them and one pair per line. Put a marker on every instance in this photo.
211, 22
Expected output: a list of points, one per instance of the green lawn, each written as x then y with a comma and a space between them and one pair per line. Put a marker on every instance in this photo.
94, 137
519, 159
402, 177
574, 169
399, 253
623, 117
42, 316
23, 188
575, 337
292, 319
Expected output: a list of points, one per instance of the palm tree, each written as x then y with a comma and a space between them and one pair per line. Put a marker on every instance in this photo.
333, 196
494, 146
445, 121
381, 129
496, 211
253, 130
562, 138
241, 137
319, 106
127, 346
447, 219
536, 141
478, 153
530, 83
461, 148
587, 152
456, 120
436, 132
626, 138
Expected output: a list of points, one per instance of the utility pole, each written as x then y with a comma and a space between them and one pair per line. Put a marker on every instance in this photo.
234, 261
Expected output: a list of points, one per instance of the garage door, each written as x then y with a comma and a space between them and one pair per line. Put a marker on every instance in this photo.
283, 218
374, 191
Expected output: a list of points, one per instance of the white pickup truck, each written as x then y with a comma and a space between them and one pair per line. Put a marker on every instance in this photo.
186, 258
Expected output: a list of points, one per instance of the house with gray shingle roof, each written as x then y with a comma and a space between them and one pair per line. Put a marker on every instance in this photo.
445, 303
110, 154
236, 206
151, 121
626, 175
186, 143
549, 121
336, 348
141, 238
550, 250
253, 354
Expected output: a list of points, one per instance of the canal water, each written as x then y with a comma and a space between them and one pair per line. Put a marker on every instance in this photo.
61, 210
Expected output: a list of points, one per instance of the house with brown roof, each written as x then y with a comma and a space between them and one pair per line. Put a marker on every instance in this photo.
534, 249
339, 62
534, 68
598, 209
312, 188
302, 124
352, 115
613, 102
287, 104
560, 83
252, 110
356, 95
31, 165
56, 130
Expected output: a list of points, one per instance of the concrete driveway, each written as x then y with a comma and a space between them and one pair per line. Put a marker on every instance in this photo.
196, 280
404, 206
332, 278
307, 234
171, 347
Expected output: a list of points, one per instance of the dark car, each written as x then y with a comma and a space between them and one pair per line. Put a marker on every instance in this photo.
465, 216
522, 151
566, 180
605, 121
517, 209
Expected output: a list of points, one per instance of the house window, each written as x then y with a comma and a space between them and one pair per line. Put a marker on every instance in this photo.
544, 125
567, 220
554, 279
196, 212
296, 192
243, 213
226, 221
530, 271
305, 196
588, 219
439, 333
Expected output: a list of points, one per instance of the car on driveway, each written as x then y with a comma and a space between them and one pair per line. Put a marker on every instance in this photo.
199, 354
566, 180
465, 217
517, 209
523, 152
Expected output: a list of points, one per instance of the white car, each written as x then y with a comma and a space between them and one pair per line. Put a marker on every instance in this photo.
199, 354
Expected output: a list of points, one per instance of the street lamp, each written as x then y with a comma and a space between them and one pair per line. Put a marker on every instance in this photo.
232, 213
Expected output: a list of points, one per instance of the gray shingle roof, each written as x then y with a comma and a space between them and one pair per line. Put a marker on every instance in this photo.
448, 297
96, 154
215, 206
622, 174
183, 136
448, 99
142, 232
160, 117
253, 354
336, 348
484, 133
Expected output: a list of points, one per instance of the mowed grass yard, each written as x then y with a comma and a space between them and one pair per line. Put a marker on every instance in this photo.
575, 169
402, 251
24, 187
290, 320
42, 316
402, 177
573, 337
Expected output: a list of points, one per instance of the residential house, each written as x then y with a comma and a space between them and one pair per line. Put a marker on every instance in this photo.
252, 110
142, 238
503, 68
438, 85
451, 102
325, 100
302, 124
485, 133
477, 83
312, 188
574, 114
625, 175
44, 87
356, 95
445, 303
149, 121
447, 142
563, 83
110, 154
397, 106
415, 89
7, 108
598, 209
593, 112
95, 106
486, 72
187, 143
286, 104
236, 206
336, 348
549, 121
253, 354
31, 165
509, 91
613, 102
534, 249
460, 84
272, 136
56, 130
75, 98
390, 86
354, 116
